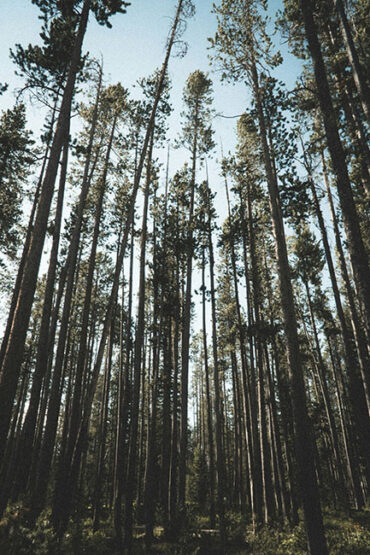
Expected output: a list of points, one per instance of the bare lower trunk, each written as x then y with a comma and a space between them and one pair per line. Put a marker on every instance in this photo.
304, 450
14, 354
356, 247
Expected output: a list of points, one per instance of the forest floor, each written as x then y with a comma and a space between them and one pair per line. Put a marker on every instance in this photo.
345, 535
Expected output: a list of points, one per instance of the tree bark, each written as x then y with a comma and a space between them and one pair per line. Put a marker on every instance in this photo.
356, 247
13, 356
357, 71
304, 450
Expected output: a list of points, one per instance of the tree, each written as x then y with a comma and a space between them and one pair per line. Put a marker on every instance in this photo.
238, 50
16, 159
197, 137
13, 356
359, 258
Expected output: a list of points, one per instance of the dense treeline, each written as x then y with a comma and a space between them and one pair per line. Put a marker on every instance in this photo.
116, 414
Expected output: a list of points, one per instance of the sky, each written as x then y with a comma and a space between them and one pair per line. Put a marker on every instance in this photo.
133, 49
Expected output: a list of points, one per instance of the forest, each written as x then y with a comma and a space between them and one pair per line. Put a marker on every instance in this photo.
179, 373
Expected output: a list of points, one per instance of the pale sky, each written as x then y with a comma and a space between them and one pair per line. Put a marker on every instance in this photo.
133, 49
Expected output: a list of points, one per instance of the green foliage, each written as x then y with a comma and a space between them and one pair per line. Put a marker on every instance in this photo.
104, 9
44, 66
16, 157
348, 535
149, 87
241, 39
309, 254
344, 535
236, 524
199, 480
16, 538
198, 98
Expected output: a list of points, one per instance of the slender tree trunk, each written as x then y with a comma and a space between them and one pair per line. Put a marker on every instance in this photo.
350, 357
286, 409
166, 434
100, 471
220, 459
138, 355
212, 515
43, 346
14, 354
26, 245
352, 467
40, 484
357, 71
160, 265
268, 509
249, 402
185, 340
357, 388
276, 441
356, 247
357, 330
342, 493
173, 477
123, 405
61, 487
304, 444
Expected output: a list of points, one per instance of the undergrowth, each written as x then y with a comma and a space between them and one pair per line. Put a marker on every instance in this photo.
345, 535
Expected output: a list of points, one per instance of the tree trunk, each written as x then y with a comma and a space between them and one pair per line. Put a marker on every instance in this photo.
249, 401
340, 487
44, 463
357, 71
61, 486
138, 352
212, 516
100, 471
123, 404
14, 354
185, 340
220, 459
26, 245
43, 346
356, 247
303, 440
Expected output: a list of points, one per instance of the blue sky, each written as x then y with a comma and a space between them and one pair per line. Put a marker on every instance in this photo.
134, 47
